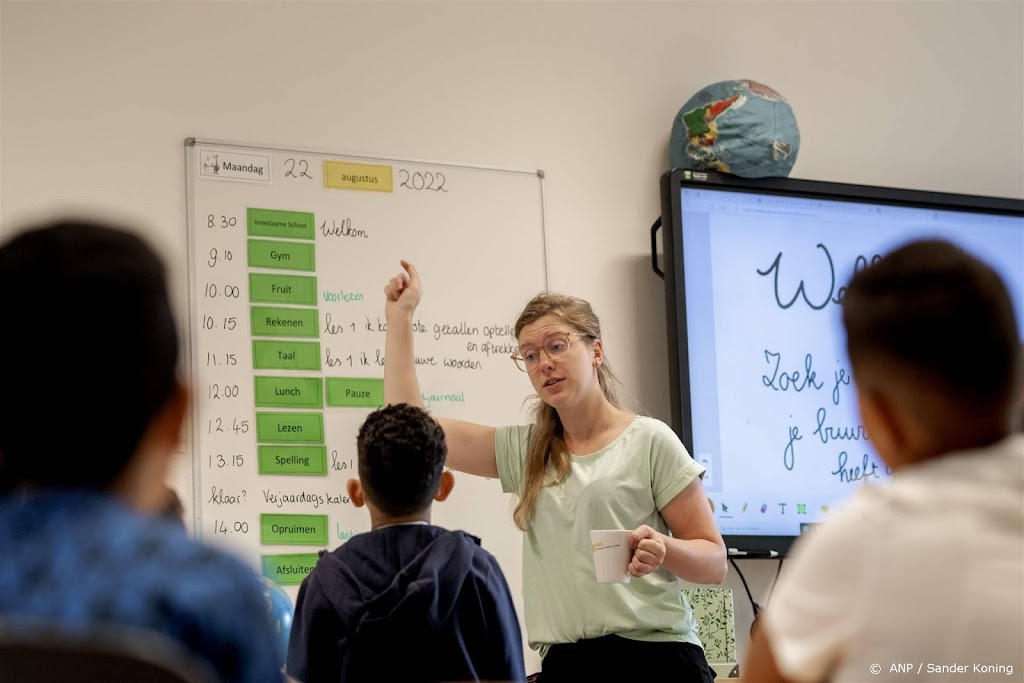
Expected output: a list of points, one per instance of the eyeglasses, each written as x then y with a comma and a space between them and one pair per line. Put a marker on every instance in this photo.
555, 346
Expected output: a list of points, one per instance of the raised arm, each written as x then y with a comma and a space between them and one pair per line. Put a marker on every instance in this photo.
470, 446
402, 296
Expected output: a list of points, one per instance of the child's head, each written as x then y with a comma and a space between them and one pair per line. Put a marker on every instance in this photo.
401, 461
1020, 399
90, 355
933, 340
172, 509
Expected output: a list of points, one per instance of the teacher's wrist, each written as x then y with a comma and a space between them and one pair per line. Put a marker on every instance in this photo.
399, 317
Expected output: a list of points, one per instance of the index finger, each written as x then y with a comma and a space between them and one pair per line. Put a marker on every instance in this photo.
414, 275
640, 533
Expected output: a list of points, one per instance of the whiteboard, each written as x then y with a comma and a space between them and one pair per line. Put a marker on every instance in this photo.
289, 252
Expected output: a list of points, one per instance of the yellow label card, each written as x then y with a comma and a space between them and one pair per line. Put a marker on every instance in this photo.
342, 175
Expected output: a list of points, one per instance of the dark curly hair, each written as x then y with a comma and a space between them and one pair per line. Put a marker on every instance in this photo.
401, 456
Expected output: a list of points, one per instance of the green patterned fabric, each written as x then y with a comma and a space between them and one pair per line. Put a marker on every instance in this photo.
716, 622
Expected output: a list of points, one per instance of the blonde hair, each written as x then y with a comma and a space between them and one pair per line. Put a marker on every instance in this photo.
547, 446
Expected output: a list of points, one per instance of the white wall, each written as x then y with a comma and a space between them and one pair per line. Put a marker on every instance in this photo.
96, 99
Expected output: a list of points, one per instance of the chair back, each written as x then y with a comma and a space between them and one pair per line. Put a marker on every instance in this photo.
36, 652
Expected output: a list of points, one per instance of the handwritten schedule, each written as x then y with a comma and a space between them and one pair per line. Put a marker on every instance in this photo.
290, 252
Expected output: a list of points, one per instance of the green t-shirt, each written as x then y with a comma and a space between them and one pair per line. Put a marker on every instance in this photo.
621, 486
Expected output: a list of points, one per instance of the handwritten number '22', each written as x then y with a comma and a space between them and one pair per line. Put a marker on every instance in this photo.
303, 167
801, 290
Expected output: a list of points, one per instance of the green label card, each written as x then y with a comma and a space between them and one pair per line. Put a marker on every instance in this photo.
298, 225
272, 288
290, 427
285, 355
293, 460
284, 322
293, 529
289, 392
281, 255
355, 392
288, 570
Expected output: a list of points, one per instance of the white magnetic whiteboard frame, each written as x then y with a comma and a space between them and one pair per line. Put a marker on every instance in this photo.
190, 341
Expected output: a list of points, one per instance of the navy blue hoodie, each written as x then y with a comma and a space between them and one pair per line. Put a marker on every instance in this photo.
406, 603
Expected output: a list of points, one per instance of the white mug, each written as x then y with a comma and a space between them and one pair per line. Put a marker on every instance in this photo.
612, 555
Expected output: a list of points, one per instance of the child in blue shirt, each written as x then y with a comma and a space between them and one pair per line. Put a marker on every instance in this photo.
91, 414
